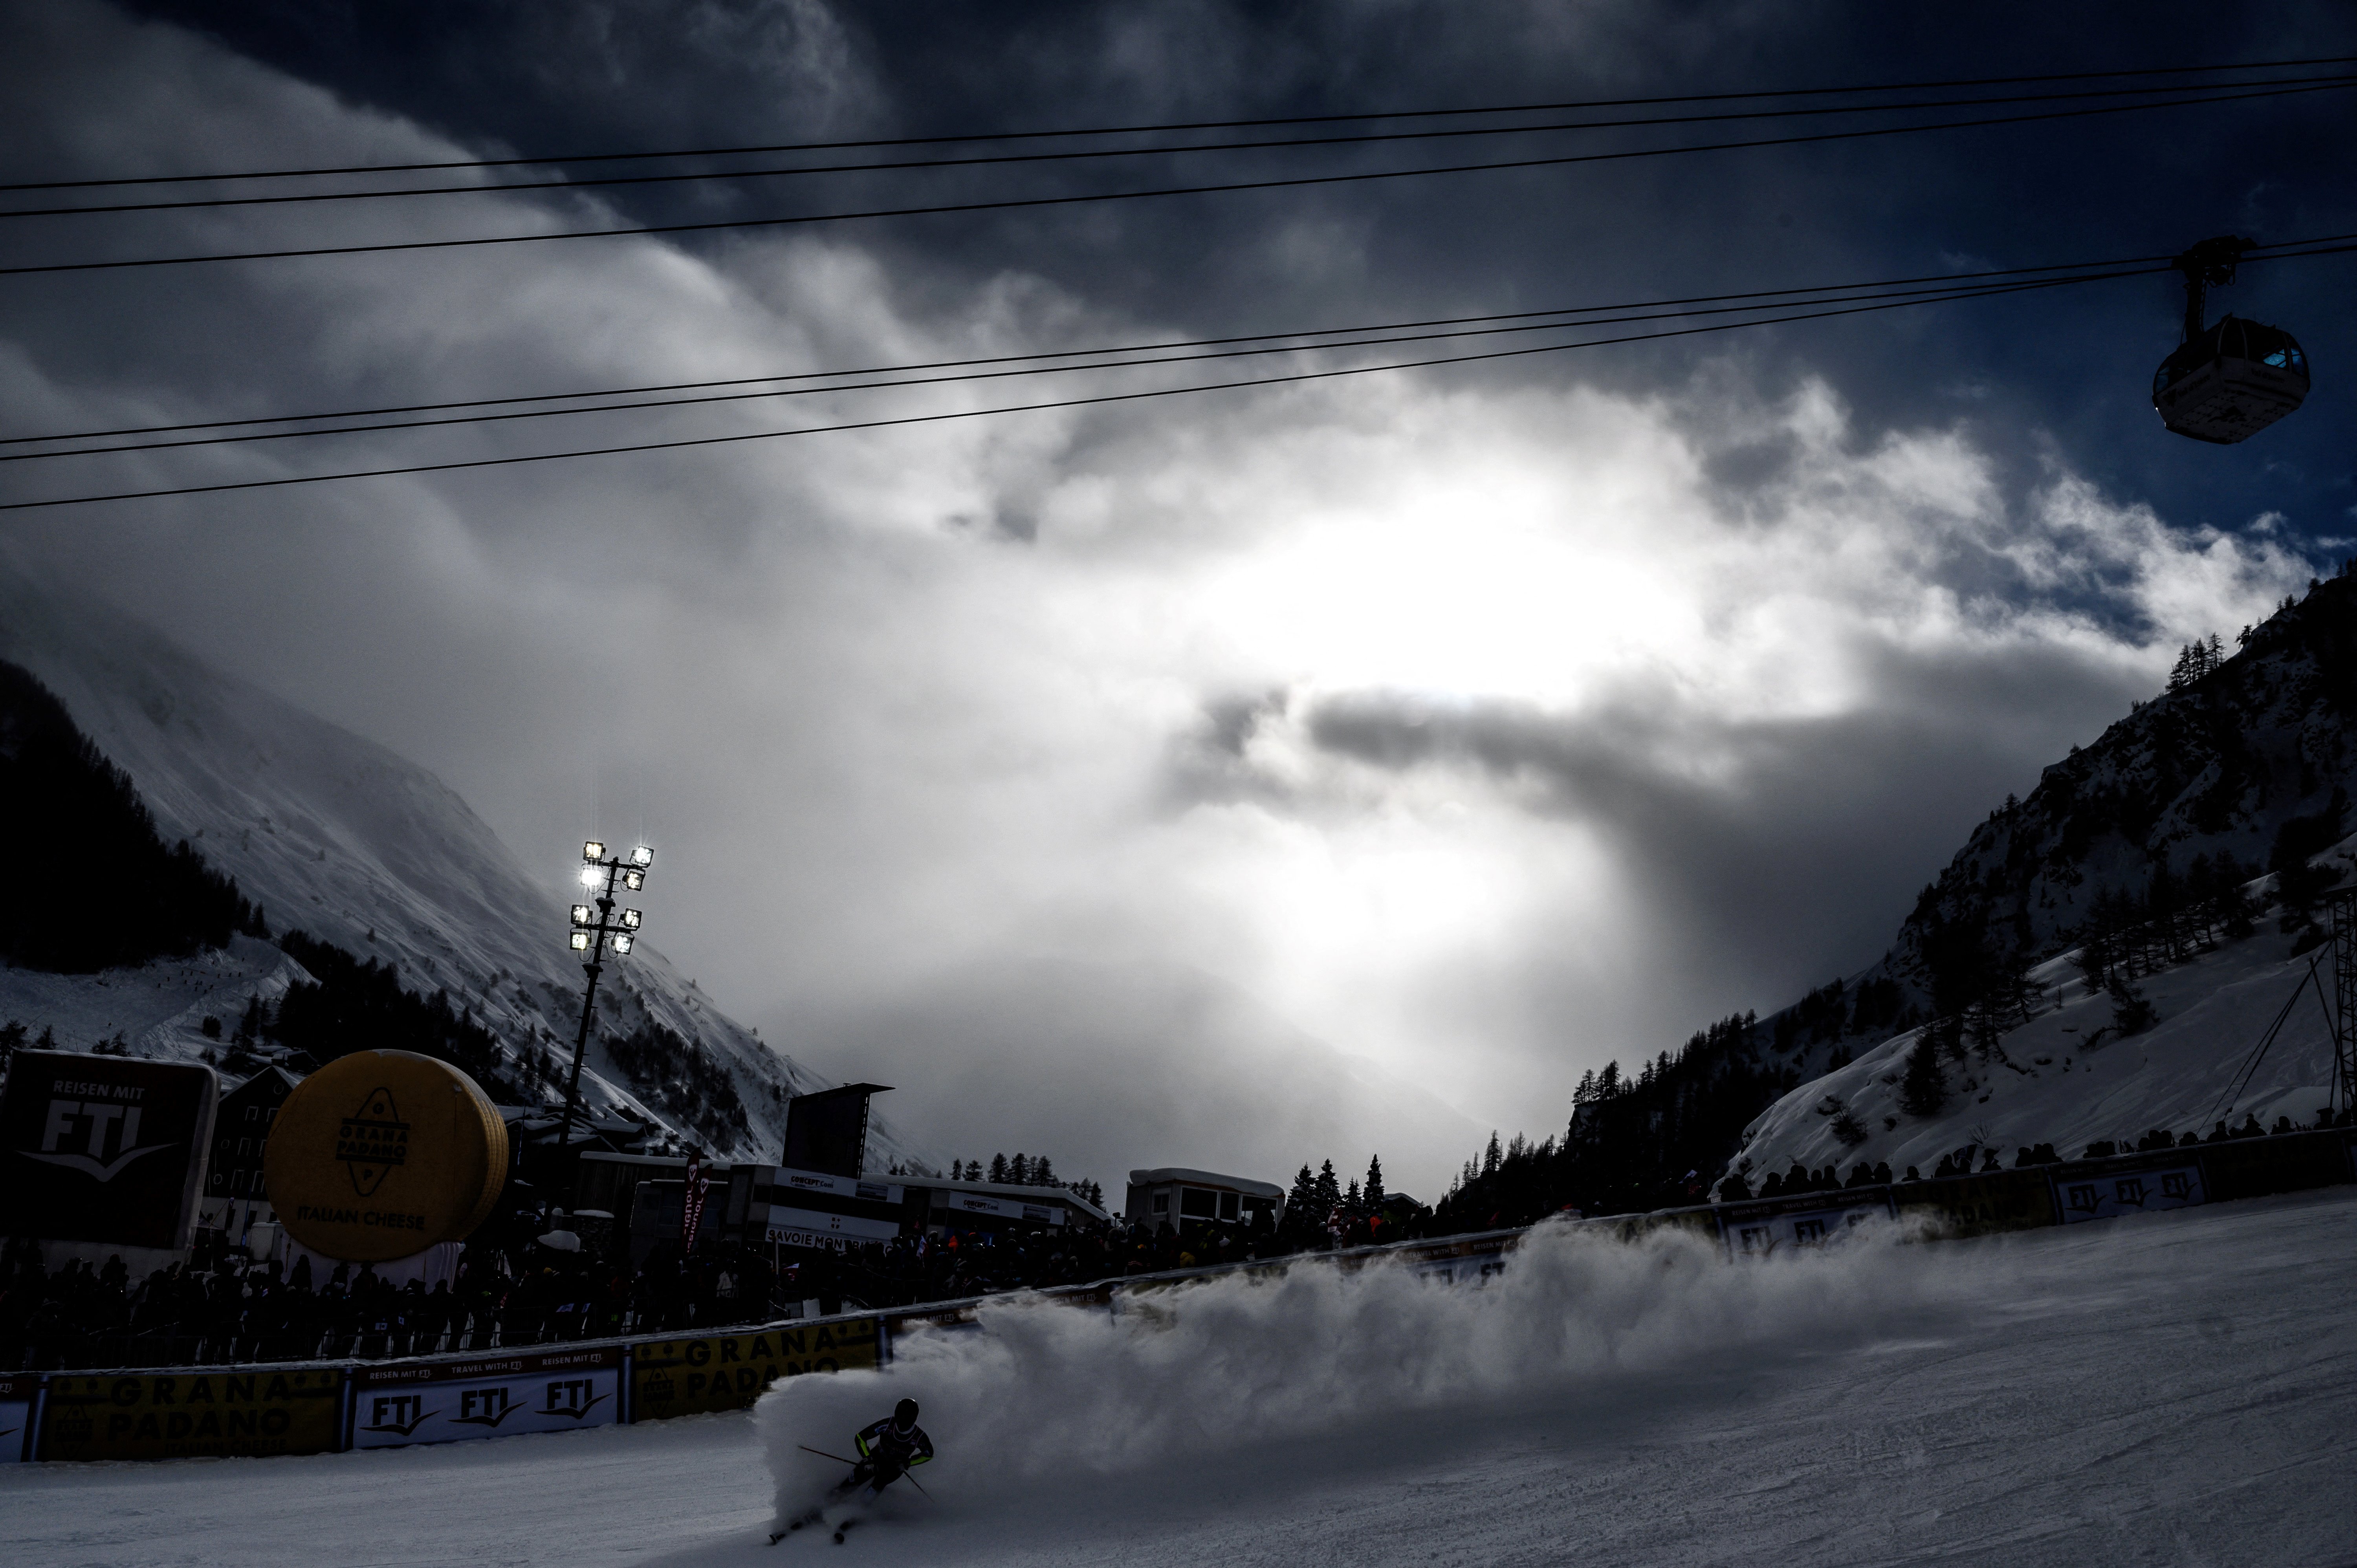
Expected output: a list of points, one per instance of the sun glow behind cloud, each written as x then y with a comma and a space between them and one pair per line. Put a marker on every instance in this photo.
1481, 729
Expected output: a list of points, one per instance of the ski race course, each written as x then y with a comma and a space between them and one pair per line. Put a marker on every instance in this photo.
2176, 1388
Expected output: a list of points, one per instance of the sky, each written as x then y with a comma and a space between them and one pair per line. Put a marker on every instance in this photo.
1473, 725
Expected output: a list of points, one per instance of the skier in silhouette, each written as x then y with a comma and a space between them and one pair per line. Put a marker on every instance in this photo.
889, 1450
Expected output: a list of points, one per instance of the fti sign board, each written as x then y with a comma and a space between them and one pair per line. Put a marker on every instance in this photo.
1766, 1229
685, 1377
2109, 1195
104, 1149
495, 1396
16, 1395
181, 1415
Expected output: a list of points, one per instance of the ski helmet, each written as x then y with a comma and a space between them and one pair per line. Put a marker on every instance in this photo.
905, 1412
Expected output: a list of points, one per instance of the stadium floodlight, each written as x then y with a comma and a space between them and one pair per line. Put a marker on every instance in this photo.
595, 932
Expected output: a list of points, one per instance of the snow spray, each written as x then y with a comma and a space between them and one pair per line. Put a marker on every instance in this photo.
1037, 1389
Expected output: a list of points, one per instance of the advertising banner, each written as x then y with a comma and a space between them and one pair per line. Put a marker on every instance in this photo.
2253, 1167
181, 1415
1979, 1205
2080, 1196
948, 1206
808, 1227
685, 1377
17, 1392
104, 1149
1762, 1231
1471, 1270
492, 1396
786, 1179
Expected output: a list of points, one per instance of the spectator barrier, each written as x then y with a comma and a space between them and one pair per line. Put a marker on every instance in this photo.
19, 1396
319, 1408
400, 1402
186, 1415
728, 1371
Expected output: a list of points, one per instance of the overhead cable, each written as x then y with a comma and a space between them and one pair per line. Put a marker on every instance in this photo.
1920, 296
1290, 378
1175, 127
1080, 153
1013, 203
1287, 340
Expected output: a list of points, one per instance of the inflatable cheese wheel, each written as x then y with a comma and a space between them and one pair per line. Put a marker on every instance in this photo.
380, 1155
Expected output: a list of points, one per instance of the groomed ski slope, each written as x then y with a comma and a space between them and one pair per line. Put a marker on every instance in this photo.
2174, 1388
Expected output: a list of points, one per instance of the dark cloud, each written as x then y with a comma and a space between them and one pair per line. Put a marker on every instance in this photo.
1485, 722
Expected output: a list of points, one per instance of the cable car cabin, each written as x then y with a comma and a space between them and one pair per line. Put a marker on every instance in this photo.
2230, 382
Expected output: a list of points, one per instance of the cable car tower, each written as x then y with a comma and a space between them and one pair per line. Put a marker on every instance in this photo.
2227, 383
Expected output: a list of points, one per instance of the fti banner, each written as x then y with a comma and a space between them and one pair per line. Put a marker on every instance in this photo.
683, 1376
104, 1149
17, 1393
2107, 1195
180, 1415
492, 1396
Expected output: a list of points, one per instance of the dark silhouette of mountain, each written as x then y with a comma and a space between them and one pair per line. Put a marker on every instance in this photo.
91, 885
2238, 769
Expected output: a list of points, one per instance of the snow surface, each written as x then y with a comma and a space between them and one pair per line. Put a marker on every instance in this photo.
344, 839
2169, 1388
2046, 1083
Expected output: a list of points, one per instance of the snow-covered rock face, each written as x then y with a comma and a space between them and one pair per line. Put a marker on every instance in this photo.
339, 837
2217, 766
2066, 1077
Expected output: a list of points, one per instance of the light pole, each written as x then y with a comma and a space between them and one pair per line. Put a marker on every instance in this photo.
592, 928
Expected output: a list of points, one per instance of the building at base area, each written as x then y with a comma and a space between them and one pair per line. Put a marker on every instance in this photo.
1177, 1196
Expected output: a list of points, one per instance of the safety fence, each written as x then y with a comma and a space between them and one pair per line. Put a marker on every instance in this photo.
315, 1407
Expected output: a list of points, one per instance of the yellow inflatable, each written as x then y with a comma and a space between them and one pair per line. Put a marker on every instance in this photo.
382, 1154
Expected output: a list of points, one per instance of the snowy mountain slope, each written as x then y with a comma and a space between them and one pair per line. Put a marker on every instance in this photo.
2244, 759
2218, 765
2065, 1078
349, 841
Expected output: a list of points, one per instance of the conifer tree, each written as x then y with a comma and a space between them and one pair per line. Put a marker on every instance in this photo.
1924, 1089
999, 1167
1043, 1174
1328, 1191
1374, 1188
1018, 1170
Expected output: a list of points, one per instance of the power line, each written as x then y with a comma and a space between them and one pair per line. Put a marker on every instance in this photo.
1007, 204
1776, 298
1095, 401
1174, 126
1072, 154
1925, 295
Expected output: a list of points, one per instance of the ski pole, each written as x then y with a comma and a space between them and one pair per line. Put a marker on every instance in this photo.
825, 1454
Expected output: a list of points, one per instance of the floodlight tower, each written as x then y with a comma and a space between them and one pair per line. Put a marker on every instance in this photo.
594, 924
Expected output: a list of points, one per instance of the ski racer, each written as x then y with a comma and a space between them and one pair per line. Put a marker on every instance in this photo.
889, 1450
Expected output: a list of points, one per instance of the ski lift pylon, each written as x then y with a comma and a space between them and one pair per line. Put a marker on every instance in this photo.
2227, 383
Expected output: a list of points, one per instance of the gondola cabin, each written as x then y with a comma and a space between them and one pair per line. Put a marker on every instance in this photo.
2230, 382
